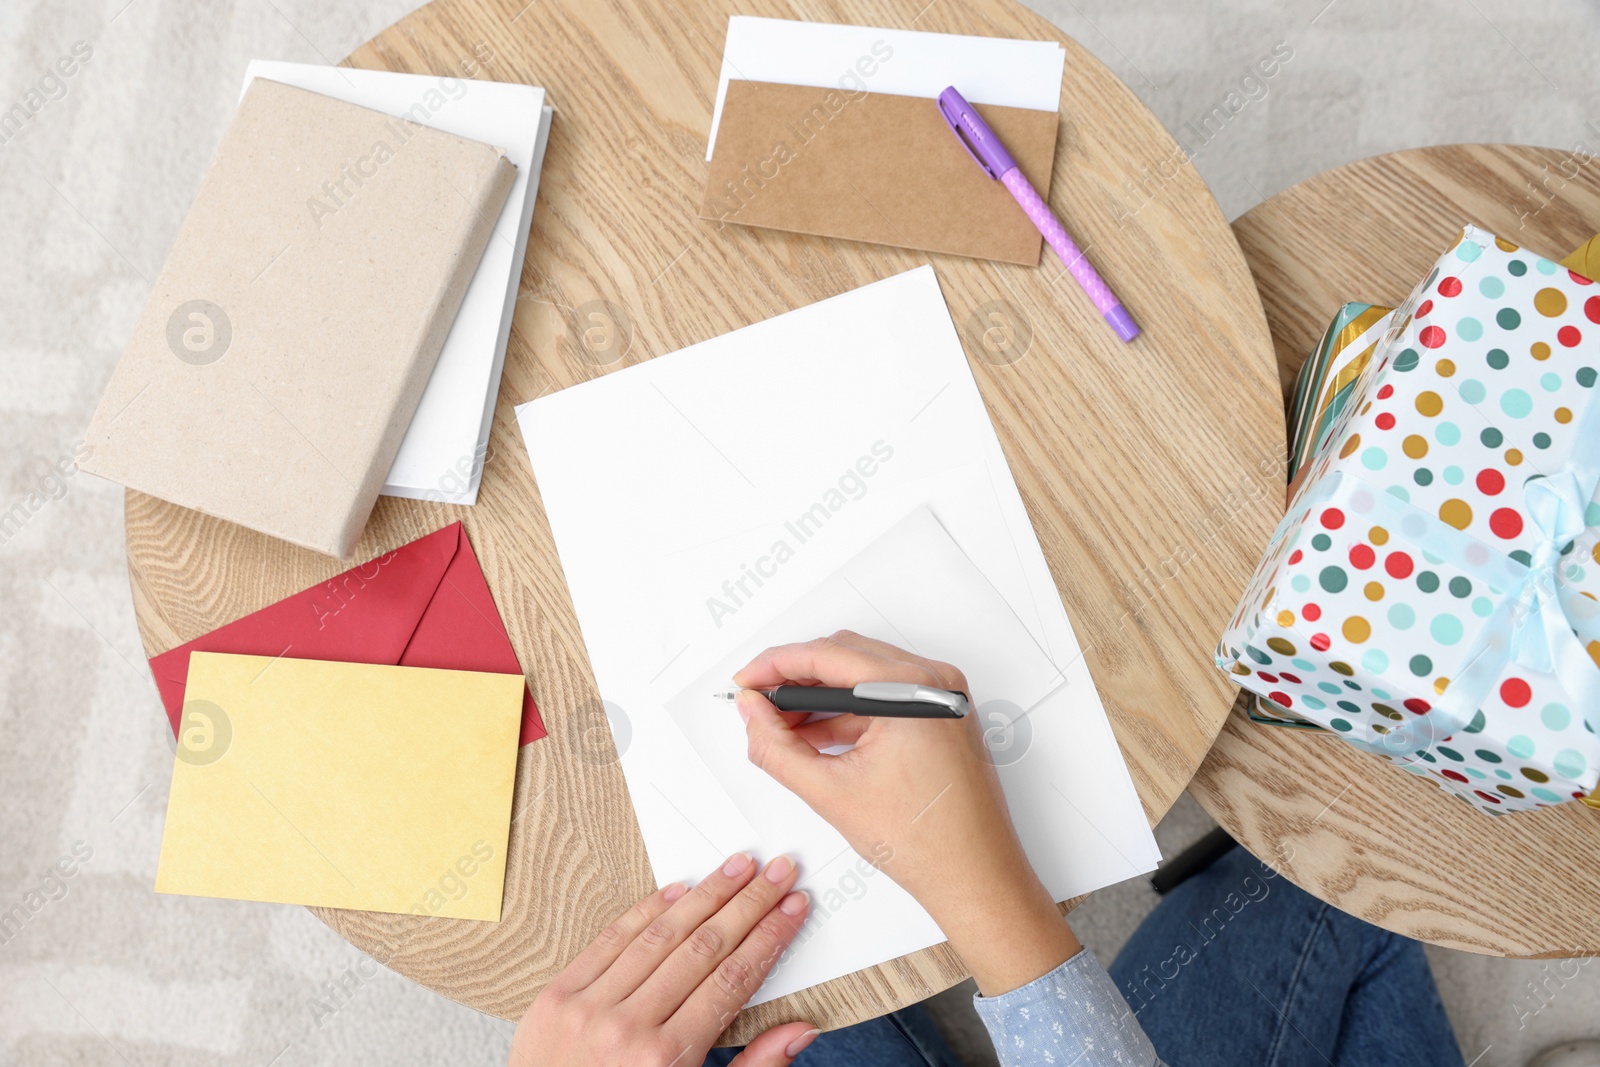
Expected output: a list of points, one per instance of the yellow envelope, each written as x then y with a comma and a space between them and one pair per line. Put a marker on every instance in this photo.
345, 785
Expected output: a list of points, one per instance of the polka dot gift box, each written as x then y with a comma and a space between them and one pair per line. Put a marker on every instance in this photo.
1431, 594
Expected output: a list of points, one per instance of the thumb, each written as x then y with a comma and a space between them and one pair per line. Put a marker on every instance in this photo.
774, 747
777, 1047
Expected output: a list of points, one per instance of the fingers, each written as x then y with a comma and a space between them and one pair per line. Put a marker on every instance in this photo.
839, 730
777, 1047
829, 661
715, 941
845, 659
776, 748
731, 984
946, 676
873, 645
603, 951
660, 937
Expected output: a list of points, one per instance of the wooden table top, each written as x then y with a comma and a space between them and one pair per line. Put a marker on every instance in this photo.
1380, 844
1153, 473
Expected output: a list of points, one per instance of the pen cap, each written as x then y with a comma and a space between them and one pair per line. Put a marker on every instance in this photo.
975, 134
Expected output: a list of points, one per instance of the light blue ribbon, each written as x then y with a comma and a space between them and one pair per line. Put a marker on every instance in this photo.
1537, 614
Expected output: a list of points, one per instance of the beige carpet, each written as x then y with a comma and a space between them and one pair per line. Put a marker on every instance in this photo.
95, 184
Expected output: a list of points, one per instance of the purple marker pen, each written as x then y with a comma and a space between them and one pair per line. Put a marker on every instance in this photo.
987, 151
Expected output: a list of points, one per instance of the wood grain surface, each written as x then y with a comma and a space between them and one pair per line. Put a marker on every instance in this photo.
1153, 472
1380, 844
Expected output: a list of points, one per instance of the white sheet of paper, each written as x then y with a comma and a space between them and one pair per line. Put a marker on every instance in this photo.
987, 70
696, 496
914, 588
962, 498
441, 457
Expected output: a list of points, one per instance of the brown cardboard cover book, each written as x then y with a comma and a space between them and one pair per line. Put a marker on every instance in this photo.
873, 167
286, 343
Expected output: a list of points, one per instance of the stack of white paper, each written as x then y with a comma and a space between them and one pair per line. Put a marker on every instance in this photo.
831, 467
442, 455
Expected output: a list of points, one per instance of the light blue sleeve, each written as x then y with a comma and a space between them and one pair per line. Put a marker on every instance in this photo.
1073, 1015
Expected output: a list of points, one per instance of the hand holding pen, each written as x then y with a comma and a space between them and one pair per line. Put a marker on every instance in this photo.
917, 797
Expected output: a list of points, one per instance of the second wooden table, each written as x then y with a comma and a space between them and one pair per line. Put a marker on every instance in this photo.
1383, 845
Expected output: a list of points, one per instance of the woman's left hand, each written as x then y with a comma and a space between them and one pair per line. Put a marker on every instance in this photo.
658, 986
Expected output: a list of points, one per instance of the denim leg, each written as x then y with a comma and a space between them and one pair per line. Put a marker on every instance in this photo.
1239, 967
905, 1038
1393, 1013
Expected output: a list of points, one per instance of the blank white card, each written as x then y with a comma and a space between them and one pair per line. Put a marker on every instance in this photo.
698, 497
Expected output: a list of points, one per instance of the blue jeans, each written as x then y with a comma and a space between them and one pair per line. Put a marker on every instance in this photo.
1238, 967
900, 1039
1234, 968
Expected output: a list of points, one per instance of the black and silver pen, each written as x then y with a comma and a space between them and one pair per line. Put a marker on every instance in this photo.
903, 700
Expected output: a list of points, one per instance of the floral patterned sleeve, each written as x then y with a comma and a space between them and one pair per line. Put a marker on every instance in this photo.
1073, 1015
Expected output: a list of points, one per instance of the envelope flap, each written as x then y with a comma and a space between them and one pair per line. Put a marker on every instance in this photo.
460, 629
367, 614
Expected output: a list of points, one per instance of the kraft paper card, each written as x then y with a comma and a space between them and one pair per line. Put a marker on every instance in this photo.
881, 59
343, 785
873, 167
289, 337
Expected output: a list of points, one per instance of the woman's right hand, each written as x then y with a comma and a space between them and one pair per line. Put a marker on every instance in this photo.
918, 797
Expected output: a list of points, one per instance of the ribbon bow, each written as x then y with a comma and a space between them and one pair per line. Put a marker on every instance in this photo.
1535, 622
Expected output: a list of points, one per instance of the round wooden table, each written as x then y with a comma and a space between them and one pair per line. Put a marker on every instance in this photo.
1153, 472
1390, 848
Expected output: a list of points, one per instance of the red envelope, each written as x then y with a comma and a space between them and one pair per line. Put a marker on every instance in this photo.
423, 605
